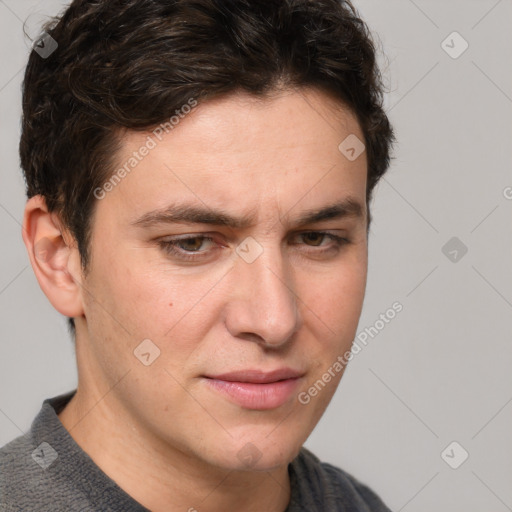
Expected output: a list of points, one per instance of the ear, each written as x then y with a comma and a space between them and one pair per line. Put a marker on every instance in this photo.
54, 257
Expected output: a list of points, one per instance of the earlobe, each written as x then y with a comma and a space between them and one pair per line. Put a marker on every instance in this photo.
54, 259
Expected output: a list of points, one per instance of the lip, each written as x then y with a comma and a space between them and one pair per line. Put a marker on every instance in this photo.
258, 376
255, 389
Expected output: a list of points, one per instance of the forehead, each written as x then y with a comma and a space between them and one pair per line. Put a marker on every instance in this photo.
245, 152
241, 122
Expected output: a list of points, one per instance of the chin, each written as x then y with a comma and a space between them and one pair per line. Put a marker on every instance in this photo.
258, 454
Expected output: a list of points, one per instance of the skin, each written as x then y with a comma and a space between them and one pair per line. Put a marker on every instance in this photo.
297, 305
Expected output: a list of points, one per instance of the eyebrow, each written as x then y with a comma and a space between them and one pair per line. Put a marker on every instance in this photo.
193, 214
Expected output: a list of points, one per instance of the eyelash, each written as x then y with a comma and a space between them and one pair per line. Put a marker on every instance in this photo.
169, 246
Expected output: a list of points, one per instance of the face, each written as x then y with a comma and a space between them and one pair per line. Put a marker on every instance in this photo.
228, 270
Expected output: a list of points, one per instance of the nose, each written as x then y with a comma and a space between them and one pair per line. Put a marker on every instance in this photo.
263, 306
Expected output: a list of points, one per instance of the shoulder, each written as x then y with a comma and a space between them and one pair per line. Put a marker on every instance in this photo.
322, 486
15, 471
45, 470
33, 466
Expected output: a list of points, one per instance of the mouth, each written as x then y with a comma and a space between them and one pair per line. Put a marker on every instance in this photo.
255, 389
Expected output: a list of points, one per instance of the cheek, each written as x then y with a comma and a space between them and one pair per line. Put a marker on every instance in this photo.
133, 282
123, 299
338, 297
334, 310
163, 304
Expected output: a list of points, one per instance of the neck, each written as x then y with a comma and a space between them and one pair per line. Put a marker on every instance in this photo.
172, 480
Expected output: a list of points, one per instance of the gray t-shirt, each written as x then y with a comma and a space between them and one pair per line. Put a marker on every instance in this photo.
46, 470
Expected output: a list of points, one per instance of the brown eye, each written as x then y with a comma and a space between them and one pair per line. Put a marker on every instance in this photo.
190, 244
188, 249
315, 237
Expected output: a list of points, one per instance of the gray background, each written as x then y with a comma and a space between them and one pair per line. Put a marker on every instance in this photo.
437, 373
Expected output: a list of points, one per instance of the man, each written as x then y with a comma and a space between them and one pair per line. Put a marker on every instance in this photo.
255, 130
